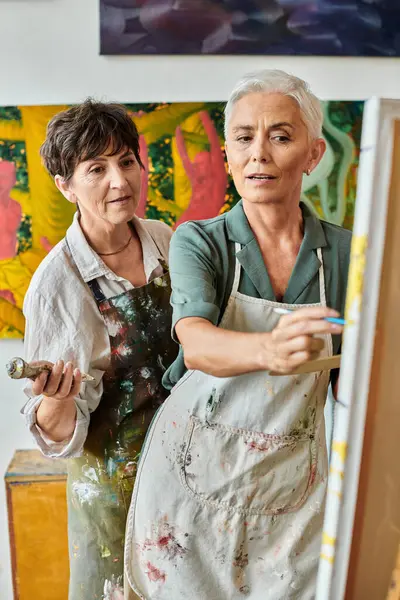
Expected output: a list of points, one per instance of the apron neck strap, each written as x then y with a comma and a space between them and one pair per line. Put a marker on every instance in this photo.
322, 291
236, 279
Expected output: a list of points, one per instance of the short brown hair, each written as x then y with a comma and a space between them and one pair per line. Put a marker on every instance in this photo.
84, 132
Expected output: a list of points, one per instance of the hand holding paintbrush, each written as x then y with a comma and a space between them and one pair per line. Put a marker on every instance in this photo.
55, 380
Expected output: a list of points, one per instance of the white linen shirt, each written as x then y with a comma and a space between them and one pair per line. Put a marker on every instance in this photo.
63, 320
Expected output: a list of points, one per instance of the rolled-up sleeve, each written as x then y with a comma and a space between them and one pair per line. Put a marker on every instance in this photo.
193, 276
50, 337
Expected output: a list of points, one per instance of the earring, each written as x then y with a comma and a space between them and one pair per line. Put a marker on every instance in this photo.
308, 172
229, 170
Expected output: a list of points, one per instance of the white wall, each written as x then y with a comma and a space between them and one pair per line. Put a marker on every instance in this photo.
52, 57
49, 55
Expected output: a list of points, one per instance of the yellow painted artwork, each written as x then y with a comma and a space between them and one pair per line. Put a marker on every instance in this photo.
185, 178
355, 282
25, 242
341, 449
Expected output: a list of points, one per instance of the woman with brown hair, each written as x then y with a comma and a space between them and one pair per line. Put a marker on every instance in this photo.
98, 303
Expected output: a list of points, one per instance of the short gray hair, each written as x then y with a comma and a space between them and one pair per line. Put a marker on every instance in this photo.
275, 81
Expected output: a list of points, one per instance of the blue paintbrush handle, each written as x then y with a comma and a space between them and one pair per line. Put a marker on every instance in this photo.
334, 320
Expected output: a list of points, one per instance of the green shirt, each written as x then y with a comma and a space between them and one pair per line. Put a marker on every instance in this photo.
202, 265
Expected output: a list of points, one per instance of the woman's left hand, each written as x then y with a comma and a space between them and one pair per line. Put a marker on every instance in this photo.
56, 414
61, 383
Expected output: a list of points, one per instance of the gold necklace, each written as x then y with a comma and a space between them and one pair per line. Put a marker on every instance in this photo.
117, 251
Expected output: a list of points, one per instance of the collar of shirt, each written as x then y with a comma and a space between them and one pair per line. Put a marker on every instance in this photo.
90, 264
307, 264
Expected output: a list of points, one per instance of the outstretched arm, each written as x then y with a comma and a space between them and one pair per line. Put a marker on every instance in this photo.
224, 353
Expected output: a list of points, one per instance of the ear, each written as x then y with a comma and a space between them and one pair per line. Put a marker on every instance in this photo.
65, 189
317, 151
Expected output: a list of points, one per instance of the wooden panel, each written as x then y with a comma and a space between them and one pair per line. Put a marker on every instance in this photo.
376, 533
32, 464
37, 512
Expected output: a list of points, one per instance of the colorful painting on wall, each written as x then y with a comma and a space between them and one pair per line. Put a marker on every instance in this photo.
312, 27
185, 178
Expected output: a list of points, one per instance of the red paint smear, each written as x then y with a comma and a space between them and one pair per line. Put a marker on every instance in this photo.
155, 574
120, 350
262, 446
173, 423
8, 295
313, 474
164, 541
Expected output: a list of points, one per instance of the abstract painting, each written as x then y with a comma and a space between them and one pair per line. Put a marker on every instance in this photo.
286, 27
185, 177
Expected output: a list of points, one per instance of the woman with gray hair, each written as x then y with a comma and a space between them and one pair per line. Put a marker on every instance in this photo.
229, 497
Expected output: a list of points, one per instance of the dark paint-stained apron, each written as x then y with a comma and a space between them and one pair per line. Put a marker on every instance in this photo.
100, 482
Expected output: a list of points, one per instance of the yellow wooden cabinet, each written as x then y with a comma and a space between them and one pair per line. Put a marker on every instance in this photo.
37, 517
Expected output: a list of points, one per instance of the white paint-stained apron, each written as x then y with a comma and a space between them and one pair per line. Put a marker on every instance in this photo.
229, 496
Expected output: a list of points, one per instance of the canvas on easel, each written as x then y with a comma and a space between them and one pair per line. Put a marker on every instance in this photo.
362, 519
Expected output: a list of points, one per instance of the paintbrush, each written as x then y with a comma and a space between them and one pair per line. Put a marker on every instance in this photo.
287, 311
17, 368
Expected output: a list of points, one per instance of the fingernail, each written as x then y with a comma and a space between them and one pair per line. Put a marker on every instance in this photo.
68, 365
77, 372
59, 363
337, 327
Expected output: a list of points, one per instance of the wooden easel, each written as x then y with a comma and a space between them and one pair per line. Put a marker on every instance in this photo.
376, 534
363, 525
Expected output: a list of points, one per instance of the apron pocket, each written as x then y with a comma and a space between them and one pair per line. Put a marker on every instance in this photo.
246, 471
